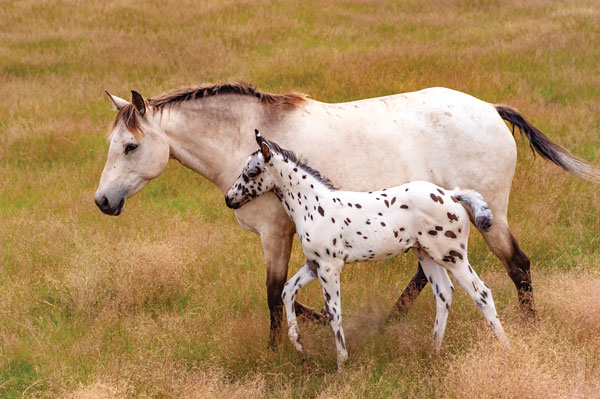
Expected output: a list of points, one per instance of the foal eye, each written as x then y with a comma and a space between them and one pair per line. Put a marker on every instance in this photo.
130, 147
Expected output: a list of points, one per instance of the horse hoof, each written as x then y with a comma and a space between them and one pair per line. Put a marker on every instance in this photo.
307, 357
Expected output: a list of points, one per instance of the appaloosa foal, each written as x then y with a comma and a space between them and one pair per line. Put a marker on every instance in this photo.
338, 227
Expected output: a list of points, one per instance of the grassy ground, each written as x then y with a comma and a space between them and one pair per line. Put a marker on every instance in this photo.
168, 300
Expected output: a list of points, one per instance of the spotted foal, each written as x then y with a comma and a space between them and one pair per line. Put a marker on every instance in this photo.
338, 227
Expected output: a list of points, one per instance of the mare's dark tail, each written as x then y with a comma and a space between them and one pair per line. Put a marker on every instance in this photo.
542, 145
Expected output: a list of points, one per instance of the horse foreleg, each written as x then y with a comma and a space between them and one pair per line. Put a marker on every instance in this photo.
309, 314
411, 292
329, 274
277, 249
305, 275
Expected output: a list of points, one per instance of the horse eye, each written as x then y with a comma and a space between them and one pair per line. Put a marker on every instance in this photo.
252, 174
130, 147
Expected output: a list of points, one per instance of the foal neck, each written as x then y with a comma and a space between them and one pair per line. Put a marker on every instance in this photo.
300, 188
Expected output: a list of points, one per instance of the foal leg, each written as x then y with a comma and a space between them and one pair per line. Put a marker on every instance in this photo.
277, 247
329, 273
304, 276
443, 291
480, 293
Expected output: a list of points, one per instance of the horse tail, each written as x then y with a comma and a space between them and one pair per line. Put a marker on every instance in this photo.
547, 149
482, 214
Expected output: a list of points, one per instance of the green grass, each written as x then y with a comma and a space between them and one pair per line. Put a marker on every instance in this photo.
169, 300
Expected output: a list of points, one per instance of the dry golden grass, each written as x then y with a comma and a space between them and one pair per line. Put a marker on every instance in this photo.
557, 359
168, 300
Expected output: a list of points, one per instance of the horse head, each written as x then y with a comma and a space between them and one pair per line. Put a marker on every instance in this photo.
138, 153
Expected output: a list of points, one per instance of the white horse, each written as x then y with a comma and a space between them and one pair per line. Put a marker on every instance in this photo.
339, 227
437, 135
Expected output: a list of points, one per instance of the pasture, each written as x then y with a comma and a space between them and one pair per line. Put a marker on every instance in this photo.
168, 299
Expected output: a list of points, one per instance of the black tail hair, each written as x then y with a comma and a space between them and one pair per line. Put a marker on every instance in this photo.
542, 145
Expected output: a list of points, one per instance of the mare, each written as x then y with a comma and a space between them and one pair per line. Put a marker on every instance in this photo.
437, 134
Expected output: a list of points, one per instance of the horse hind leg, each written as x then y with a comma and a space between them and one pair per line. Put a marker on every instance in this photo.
305, 275
443, 291
410, 293
480, 293
518, 266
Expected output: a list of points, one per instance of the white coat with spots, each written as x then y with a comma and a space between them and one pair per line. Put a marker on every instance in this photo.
337, 227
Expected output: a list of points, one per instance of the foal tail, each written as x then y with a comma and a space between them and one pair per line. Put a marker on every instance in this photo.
547, 149
479, 208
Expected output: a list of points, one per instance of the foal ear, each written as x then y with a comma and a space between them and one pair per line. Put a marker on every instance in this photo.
266, 151
117, 102
138, 101
259, 138
264, 147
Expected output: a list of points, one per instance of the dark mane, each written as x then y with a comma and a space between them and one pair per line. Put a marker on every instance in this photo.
193, 93
128, 112
291, 156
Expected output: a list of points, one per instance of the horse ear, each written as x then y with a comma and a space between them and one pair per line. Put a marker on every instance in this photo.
259, 138
266, 151
117, 102
138, 101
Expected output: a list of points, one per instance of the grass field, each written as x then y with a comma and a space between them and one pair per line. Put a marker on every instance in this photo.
168, 300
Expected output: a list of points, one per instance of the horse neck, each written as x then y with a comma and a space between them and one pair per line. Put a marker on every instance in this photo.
300, 192
205, 134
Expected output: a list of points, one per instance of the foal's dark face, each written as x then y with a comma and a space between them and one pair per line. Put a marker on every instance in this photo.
254, 181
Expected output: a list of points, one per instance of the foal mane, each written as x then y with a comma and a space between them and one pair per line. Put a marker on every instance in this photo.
291, 156
192, 93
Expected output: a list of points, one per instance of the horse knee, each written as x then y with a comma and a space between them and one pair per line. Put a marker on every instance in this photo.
274, 295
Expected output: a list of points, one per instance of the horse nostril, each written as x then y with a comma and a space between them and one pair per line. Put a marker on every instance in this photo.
102, 203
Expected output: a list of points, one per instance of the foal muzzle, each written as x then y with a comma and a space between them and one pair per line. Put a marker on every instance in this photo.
232, 204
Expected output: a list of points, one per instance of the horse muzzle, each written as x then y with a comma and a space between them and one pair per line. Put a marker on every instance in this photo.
232, 204
104, 204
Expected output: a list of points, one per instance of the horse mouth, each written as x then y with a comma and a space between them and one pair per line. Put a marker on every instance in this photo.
120, 207
231, 204
234, 205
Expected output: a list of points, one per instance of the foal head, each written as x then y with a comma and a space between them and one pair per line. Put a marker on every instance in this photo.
138, 153
255, 178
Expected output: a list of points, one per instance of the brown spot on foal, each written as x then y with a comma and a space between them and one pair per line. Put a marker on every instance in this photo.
450, 234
